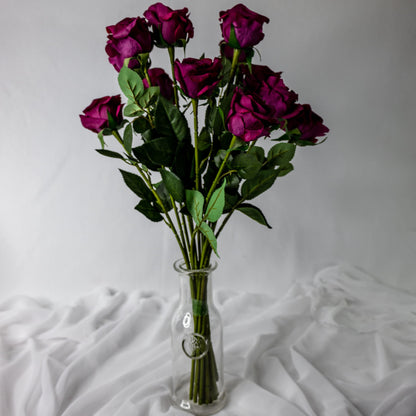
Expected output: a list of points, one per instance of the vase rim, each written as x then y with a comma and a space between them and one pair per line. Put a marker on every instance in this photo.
180, 266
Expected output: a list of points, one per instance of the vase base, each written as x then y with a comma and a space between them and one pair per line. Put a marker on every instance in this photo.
198, 409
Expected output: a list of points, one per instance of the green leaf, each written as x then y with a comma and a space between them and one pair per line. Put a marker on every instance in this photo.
164, 195
132, 110
183, 164
281, 138
149, 96
247, 165
209, 234
170, 121
281, 154
204, 140
259, 152
109, 153
220, 156
231, 200
284, 170
140, 125
216, 204
263, 181
128, 138
130, 83
137, 185
141, 155
254, 213
174, 185
147, 209
160, 151
195, 203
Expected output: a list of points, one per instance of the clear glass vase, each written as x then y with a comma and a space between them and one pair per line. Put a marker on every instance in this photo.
197, 361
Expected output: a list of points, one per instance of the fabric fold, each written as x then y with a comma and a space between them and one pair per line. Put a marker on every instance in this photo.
340, 345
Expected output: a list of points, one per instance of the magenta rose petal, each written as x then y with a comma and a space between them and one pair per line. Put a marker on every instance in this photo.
248, 25
127, 39
198, 77
173, 26
95, 117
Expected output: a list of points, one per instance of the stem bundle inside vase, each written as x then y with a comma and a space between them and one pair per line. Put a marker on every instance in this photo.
204, 373
190, 138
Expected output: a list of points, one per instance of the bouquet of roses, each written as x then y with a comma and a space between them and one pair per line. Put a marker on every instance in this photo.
194, 176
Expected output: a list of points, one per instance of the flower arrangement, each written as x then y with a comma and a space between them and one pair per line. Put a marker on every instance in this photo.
194, 178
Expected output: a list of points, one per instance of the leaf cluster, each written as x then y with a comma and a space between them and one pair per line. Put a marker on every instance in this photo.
202, 179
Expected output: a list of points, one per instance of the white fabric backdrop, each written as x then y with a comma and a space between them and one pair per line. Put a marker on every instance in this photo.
67, 222
342, 345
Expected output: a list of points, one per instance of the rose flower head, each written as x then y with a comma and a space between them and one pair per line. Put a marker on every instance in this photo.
241, 27
127, 39
309, 124
248, 117
159, 78
170, 27
102, 112
269, 86
198, 77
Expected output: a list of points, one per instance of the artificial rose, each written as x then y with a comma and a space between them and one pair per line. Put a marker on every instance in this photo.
198, 77
269, 86
158, 77
95, 117
127, 39
248, 26
174, 26
248, 118
307, 122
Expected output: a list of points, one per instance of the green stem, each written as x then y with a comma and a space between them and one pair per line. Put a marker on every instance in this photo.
186, 258
171, 50
169, 221
221, 168
186, 232
146, 74
234, 63
195, 111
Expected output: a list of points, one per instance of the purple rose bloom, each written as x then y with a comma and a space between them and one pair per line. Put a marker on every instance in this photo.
269, 86
128, 38
174, 26
309, 123
95, 117
158, 77
248, 118
248, 26
198, 77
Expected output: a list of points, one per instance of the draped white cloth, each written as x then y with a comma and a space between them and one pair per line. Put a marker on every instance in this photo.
344, 345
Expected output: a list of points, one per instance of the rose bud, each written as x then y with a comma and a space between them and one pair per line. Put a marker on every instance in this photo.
248, 117
95, 117
159, 78
248, 26
198, 77
269, 86
127, 39
173, 26
307, 122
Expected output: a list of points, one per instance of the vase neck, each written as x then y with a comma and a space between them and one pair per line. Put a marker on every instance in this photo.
195, 284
